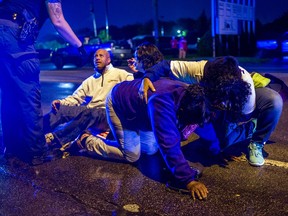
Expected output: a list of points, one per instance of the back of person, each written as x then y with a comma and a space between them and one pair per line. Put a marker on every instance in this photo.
132, 108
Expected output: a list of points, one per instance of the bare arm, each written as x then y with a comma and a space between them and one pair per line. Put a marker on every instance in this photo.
61, 25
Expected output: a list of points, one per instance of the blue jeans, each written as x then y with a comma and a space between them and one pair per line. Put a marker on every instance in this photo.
269, 105
128, 144
268, 110
69, 121
21, 112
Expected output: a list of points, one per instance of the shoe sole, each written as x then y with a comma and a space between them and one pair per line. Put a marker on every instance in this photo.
256, 165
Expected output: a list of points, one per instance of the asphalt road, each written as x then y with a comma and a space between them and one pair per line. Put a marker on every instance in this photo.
80, 185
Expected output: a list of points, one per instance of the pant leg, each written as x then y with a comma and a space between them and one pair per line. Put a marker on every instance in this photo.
22, 117
126, 145
269, 106
148, 142
81, 118
65, 114
208, 135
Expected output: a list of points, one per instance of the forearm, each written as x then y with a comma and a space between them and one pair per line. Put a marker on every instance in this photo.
162, 69
60, 24
163, 120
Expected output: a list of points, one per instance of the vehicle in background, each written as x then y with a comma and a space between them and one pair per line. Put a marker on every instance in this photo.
70, 55
44, 54
120, 52
164, 44
275, 46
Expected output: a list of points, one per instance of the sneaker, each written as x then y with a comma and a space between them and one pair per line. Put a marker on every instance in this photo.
49, 137
255, 155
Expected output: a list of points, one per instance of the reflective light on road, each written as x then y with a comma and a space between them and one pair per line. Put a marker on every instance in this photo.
276, 163
66, 85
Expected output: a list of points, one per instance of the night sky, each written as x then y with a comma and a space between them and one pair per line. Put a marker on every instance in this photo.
125, 12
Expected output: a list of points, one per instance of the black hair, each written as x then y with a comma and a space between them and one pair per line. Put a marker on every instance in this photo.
194, 107
224, 87
148, 54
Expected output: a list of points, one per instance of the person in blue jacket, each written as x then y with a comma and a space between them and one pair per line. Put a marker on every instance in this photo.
174, 107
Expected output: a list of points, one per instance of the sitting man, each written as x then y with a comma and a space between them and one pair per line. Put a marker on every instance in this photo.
76, 111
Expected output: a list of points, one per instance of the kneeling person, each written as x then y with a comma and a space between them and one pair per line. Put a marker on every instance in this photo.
134, 124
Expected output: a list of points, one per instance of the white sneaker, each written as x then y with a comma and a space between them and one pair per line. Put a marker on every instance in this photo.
255, 155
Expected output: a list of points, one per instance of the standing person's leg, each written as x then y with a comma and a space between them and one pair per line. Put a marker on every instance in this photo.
11, 121
20, 68
30, 93
269, 106
23, 74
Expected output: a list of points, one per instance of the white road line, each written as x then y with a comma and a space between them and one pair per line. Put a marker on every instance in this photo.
276, 163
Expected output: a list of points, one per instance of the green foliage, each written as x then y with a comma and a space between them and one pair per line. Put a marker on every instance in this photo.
102, 35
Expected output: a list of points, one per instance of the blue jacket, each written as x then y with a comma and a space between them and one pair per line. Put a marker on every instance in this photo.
160, 115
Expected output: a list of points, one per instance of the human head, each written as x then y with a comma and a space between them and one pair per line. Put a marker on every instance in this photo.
193, 108
101, 60
147, 55
224, 87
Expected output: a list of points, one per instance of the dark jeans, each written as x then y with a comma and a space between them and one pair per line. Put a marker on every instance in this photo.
268, 110
21, 112
69, 121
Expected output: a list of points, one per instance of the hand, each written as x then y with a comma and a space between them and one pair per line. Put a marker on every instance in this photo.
55, 105
144, 87
131, 64
82, 50
198, 190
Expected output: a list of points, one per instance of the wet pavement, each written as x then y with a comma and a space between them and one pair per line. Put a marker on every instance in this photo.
81, 185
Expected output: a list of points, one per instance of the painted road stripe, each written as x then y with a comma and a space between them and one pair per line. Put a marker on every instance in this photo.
276, 163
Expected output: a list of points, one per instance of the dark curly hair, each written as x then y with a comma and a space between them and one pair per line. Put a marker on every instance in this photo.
194, 107
148, 54
224, 86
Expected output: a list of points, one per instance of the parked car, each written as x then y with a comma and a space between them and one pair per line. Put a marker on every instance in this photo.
120, 52
70, 54
44, 54
275, 46
163, 42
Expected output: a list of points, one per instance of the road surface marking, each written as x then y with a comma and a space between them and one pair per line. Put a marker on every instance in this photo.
276, 163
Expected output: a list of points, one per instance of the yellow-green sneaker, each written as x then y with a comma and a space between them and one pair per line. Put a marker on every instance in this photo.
255, 155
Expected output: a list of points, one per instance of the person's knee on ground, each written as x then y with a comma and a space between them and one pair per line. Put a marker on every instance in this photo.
149, 145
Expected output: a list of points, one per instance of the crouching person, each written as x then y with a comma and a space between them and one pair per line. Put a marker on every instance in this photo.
138, 126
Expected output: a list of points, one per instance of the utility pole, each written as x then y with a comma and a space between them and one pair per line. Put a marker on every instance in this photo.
156, 30
106, 18
93, 17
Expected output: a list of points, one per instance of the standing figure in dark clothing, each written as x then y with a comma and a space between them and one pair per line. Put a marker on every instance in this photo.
22, 123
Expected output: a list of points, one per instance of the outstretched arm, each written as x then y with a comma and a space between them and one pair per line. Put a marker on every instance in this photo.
54, 8
162, 69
